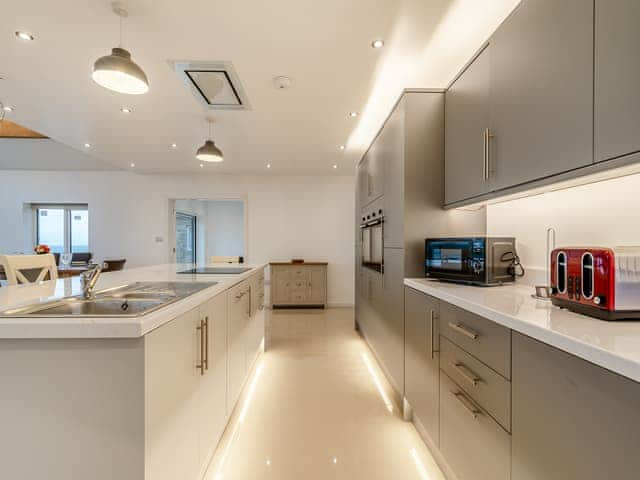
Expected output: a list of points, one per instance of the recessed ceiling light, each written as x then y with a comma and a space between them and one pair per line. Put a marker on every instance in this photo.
268, 165
7, 108
174, 145
126, 110
353, 114
335, 166
133, 165
342, 147
26, 36
202, 165
377, 43
87, 145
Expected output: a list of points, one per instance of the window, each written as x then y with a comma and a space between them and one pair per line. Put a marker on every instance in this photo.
65, 228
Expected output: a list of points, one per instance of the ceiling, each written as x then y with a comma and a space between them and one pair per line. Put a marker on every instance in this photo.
324, 47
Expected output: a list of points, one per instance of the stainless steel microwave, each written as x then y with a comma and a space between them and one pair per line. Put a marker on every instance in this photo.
472, 260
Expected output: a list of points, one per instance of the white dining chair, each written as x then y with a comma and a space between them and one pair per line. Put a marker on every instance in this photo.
224, 259
15, 267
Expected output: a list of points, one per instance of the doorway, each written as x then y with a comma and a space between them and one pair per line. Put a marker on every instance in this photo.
186, 243
201, 229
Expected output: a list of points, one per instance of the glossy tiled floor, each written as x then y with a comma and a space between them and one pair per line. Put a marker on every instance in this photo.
316, 407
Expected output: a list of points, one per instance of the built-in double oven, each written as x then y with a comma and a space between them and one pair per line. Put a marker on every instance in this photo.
372, 232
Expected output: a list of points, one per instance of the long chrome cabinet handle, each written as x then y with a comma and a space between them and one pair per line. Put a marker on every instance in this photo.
464, 330
433, 332
200, 366
488, 143
467, 404
206, 343
484, 155
466, 373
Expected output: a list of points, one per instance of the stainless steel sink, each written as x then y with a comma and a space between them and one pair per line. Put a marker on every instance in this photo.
132, 300
98, 307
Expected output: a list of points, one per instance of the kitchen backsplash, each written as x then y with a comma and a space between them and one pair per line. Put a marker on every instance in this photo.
606, 213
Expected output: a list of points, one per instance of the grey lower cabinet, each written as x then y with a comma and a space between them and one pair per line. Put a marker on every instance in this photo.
466, 123
421, 360
541, 91
473, 444
617, 76
571, 419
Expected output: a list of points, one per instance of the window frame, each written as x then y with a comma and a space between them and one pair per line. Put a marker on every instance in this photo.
68, 208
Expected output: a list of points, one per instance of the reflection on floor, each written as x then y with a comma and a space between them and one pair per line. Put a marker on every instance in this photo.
318, 407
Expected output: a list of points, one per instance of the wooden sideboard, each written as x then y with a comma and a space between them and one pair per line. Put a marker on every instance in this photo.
298, 284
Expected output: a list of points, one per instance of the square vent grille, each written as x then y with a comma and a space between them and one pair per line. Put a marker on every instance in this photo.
214, 84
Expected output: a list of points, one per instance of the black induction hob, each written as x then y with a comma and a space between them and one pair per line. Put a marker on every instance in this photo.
216, 270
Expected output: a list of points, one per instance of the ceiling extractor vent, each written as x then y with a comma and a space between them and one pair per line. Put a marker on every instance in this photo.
214, 84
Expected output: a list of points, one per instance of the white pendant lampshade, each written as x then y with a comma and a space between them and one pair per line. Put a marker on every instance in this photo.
117, 71
209, 152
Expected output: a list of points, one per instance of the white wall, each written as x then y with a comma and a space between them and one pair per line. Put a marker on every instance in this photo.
309, 217
600, 214
225, 228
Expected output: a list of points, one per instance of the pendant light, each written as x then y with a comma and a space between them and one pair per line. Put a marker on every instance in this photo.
209, 152
117, 71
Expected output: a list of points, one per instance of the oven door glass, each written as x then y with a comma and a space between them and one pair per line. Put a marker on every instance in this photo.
451, 257
373, 247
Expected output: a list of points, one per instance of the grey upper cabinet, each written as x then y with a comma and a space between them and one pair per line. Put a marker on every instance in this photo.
391, 148
422, 359
466, 120
362, 182
542, 91
371, 175
617, 80
571, 419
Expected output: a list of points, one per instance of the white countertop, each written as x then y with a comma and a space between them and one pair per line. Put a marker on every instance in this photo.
108, 327
612, 345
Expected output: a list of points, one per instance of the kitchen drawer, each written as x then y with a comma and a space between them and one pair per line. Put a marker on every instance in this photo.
489, 389
486, 340
475, 446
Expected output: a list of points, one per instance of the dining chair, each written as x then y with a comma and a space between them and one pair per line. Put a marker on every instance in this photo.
29, 268
226, 259
113, 265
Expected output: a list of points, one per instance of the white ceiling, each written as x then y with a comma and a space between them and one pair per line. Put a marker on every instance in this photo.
324, 46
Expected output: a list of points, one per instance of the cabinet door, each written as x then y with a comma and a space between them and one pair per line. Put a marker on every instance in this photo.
541, 91
375, 170
617, 69
172, 399
571, 419
392, 149
421, 359
237, 321
281, 285
466, 119
364, 181
318, 285
256, 321
213, 384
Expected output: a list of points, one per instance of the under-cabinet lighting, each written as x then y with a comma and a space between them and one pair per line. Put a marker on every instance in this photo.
376, 380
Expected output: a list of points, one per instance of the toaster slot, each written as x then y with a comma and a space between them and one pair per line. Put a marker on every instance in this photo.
561, 272
587, 275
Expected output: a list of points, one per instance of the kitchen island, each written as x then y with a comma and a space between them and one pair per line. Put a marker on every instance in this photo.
504, 386
135, 397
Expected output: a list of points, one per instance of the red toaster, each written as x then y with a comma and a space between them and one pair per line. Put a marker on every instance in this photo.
599, 282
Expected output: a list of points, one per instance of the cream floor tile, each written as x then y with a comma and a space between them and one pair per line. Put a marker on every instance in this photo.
318, 407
